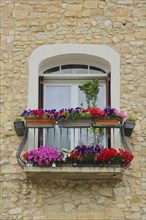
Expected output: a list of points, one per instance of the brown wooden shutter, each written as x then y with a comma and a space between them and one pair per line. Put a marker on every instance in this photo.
40, 106
41, 92
108, 105
108, 91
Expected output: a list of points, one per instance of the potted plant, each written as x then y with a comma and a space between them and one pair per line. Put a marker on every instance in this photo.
97, 156
74, 118
129, 125
84, 155
64, 159
43, 156
91, 90
39, 117
19, 127
113, 157
107, 116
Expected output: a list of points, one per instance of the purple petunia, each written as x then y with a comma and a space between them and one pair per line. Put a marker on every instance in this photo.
51, 114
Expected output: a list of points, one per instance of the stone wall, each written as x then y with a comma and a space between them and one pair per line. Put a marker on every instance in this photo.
25, 25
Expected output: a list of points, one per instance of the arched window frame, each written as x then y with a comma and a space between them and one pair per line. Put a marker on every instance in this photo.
43, 57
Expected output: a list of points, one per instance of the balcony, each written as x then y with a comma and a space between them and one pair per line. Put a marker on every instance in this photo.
112, 172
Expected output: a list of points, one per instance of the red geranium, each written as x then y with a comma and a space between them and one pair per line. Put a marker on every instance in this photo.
112, 156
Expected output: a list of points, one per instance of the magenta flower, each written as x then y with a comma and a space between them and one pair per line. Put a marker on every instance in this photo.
43, 155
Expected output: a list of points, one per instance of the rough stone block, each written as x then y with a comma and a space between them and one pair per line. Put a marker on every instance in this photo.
106, 191
90, 4
15, 211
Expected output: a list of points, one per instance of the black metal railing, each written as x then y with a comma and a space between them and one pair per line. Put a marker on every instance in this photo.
69, 136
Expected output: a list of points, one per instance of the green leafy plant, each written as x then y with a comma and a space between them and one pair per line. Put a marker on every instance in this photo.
73, 114
18, 120
98, 135
91, 90
131, 118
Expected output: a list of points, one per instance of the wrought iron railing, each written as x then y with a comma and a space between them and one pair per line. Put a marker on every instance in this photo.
31, 134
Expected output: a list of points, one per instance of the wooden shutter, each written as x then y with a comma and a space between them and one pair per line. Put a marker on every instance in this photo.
41, 92
40, 106
108, 91
108, 105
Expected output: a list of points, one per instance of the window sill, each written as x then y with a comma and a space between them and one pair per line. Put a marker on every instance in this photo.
79, 173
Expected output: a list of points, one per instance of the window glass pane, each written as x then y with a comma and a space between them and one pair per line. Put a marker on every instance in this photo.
95, 70
58, 97
54, 70
74, 69
100, 101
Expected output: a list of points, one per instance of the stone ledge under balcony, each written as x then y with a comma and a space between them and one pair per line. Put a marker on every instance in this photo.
78, 173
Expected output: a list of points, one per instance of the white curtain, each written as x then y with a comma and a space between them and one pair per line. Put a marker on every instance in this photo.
58, 97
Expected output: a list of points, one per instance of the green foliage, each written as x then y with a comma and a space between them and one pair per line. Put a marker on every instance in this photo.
91, 90
79, 115
18, 120
131, 118
98, 135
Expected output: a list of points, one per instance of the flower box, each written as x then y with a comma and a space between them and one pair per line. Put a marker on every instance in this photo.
107, 121
87, 164
80, 123
39, 118
63, 164
43, 165
40, 121
29, 164
112, 165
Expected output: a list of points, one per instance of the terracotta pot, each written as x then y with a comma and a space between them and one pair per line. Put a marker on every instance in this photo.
42, 121
106, 121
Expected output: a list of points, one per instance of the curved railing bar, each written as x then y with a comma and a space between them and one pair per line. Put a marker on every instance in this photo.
123, 140
22, 163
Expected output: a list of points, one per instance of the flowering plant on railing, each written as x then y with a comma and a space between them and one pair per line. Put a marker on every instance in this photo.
64, 153
96, 155
103, 156
112, 156
51, 114
107, 113
43, 155
84, 153
73, 114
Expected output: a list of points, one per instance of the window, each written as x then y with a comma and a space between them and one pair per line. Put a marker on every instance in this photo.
60, 94
71, 64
